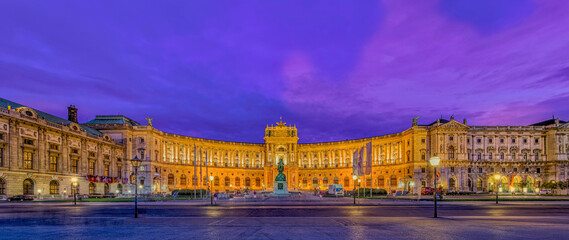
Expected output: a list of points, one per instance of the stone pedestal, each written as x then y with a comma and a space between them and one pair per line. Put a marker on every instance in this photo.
280, 189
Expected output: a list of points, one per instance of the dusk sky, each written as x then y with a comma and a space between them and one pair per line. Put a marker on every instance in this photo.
225, 69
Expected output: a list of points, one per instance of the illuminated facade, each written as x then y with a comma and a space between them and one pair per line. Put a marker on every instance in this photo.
39, 150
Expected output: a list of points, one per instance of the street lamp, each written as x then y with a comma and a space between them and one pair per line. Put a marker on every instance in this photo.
210, 189
136, 163
435, 162
74, 184
355, 177
39, 194
497, 178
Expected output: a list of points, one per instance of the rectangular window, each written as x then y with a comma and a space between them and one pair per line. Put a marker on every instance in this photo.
91, 167
490, 156
92, 154
515, 169
501, 156
513, 140
28, 160
119, 171
106, 174
1, 157
423, 170
489, 140
538, 170
501, 140
75, 151
478, 140
514, 156
468, 140
450, 138
1, 136
53, 146
503, 169
451, 169
491, 169
74, 164
469, 170
422, 140
53, 162
537, 140
480, 170
479, 156
536, 156
525, 140
28, 141
527, 169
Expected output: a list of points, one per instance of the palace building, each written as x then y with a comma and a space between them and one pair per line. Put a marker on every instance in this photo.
41, 153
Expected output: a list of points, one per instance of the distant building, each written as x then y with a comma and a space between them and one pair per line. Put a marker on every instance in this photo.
41, 153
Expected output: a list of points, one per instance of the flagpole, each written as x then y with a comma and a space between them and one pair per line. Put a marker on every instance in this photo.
201, 178
194, 177
206, 171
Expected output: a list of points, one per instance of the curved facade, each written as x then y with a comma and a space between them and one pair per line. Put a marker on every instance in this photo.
98, 153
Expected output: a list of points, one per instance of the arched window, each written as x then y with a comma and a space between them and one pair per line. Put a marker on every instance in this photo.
336, 180
28, 187
381, 182
368, 182
227, 181
315, 182
346, 181
247, 182
92, 188
237, 181
216, 181
304, 182
170, 179
325, 181
258, 182
183, 179
479, 184
54, 187
2, 186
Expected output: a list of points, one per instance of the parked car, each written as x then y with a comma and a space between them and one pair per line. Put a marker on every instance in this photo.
21, 198
96, 195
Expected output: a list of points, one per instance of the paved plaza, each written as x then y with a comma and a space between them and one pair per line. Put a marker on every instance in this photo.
266, 219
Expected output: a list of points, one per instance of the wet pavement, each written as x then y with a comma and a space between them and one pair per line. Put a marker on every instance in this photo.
285, 220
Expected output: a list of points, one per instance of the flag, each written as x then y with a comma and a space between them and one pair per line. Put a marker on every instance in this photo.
361, 162
355, 163
368, 158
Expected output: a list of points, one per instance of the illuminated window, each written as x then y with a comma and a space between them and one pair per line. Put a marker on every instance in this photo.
28, 160
91, 167
92, 188
2, 186
74, 164
53, 187
106, 172
53, 162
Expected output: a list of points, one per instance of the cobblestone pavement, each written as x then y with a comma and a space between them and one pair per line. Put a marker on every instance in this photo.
285, 220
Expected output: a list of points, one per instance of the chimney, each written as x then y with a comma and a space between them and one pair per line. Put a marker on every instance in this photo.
72, 113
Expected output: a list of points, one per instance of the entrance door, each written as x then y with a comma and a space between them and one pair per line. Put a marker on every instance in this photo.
28, 187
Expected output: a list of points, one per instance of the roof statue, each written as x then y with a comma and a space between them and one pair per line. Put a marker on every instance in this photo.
149, 121
415, 121
281, 123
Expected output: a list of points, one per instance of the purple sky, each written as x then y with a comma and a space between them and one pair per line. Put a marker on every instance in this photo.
223, 70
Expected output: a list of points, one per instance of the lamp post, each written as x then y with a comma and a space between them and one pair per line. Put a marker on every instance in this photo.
435, 162
355, 177
210, 189
74, 184
497, 178
136, 163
